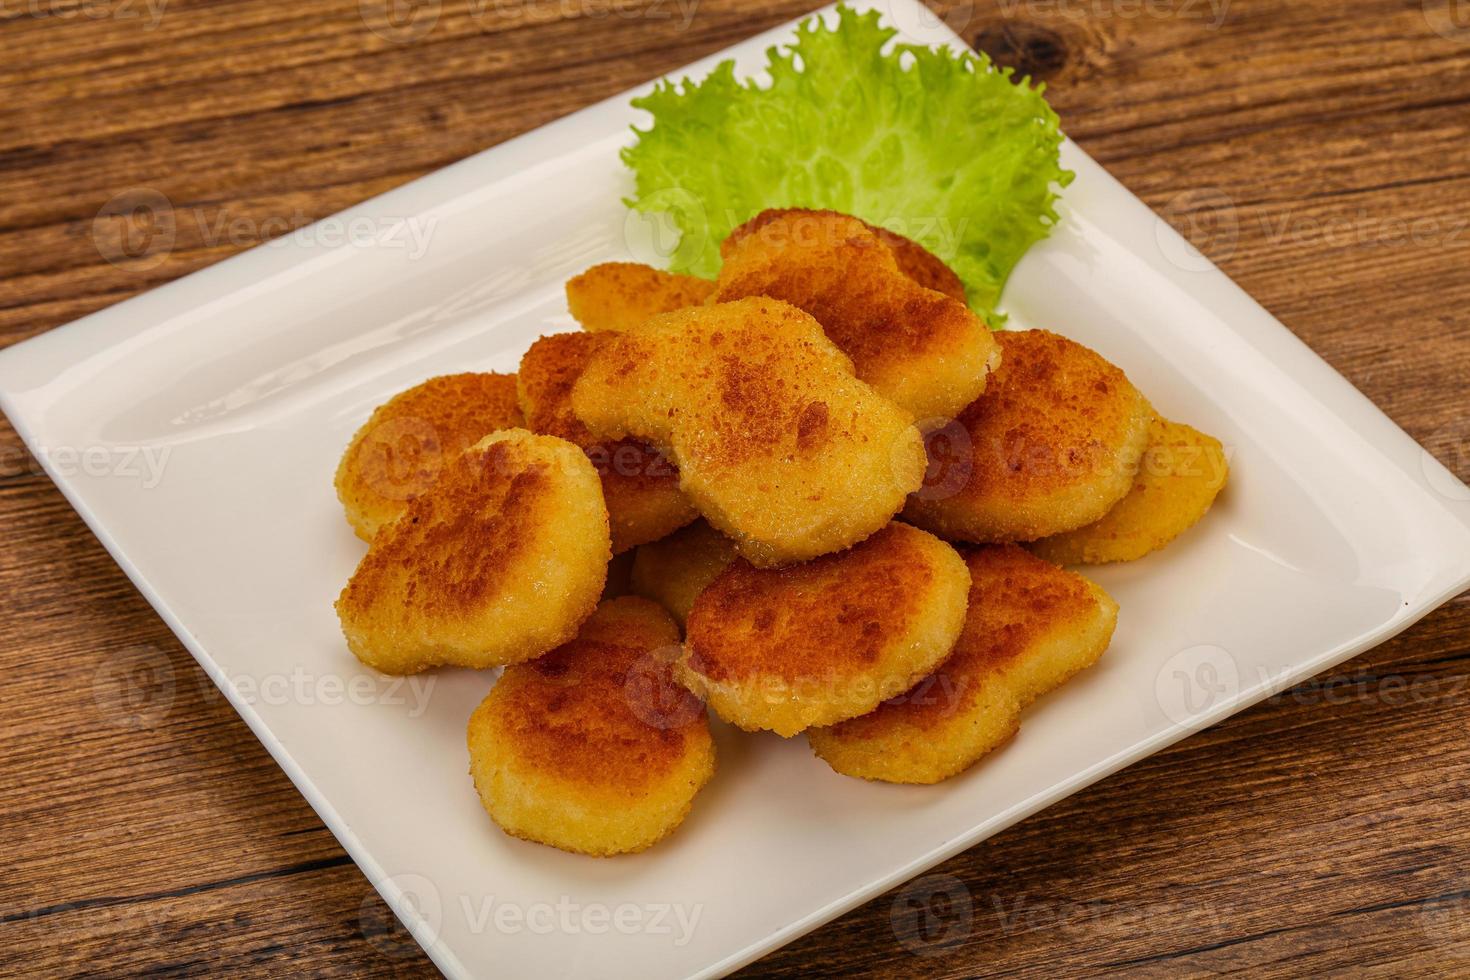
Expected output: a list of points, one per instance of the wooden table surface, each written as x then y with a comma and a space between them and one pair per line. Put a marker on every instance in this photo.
1318, 150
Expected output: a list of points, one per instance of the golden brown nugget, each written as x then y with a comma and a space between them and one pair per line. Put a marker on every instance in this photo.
1031, 626
925, 351
785, 649
409, 440
621, 295
1052, 445
914, 260
1183, 470
501, 560
594, 748
640, 485
777, 444
673, 572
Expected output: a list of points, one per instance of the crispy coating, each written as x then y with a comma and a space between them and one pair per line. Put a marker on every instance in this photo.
924, 350
1052, 445
594, 748
409, 440
914, 260
777, 444
672, 572
501, 560
784, 649
621, 295
1031, 626
1183, 470
639, 484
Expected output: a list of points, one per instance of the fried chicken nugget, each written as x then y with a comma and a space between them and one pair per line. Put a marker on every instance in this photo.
640, 486
914, 260
1183, 470
1031, 626
777, 444
594, 748
501, 560
785, 649
621, 295
408, 440
924, 350
1051, 446
674, 571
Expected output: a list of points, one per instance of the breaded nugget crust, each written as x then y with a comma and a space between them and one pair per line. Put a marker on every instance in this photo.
501, 560
914, 260
621, 295
777, 444
1030, 627
1183, 470
594, 748
639, 484
924, 350
673, 572
1052, 445
409, 440
812, 644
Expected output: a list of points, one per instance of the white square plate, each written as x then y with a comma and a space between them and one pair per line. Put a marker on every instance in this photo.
245, 381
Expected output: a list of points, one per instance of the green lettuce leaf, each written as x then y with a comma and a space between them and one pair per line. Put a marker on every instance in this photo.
944, 148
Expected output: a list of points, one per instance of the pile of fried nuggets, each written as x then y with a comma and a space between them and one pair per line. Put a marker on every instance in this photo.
816, 495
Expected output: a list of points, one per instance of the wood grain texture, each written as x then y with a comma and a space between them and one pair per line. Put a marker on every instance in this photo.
1316, 149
